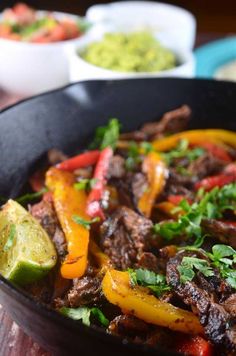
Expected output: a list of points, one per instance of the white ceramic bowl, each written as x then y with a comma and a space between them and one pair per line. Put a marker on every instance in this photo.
83, 70
30, 68
172, 22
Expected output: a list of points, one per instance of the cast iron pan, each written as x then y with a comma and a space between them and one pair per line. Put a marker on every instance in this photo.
66, 119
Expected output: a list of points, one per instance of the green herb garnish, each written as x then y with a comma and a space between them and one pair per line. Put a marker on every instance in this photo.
211, 206
107, 135
85, 184
189, 265
182, 151
11, 236
133, 154
155, 282
84, 314
85, 223
222, 257
31, 196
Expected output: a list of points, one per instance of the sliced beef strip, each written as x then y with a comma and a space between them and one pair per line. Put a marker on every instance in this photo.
125, 236
133, 329
148, 260
116, 167
46, 215
131, 188
217, 322
56, 156
230, 304
206, 165
171, 122
85, 291
220, 230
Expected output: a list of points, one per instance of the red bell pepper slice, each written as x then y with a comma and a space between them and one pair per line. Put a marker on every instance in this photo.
215, 181
195, 346
83, 160
216, 150
95, 196
176, 199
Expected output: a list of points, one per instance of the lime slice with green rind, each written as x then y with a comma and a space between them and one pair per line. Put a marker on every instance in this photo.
26, 252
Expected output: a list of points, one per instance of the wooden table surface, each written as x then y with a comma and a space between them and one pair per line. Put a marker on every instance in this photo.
13, 341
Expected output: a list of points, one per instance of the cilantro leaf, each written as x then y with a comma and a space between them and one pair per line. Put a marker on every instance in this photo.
85, 184
133, 158
155, 282
211, 206
27, 198
107, 135
182, 151
190, 264
85, 223
84, 314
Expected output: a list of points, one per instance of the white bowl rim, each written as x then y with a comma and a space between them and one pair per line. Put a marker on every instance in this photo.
148, 2
31, 45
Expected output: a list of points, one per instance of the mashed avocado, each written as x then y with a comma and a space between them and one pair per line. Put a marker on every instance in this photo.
133, 52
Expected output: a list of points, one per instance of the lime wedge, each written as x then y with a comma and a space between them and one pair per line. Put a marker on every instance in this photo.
26, 251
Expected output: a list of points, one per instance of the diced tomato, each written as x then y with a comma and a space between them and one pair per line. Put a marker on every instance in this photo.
216, 150
57, 33
71, 29
195, 346
176, 199
215, 181
230, 168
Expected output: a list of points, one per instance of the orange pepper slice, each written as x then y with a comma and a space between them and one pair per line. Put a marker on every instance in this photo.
156, 172
135, 300
69, 202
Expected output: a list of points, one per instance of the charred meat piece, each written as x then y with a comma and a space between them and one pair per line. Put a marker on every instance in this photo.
116, 167
131, 188
46, 215
128, 326
223, 231
148, 260
171, 122
206, 165
55, 156
85, 291
218, 324
125, 236
230, 304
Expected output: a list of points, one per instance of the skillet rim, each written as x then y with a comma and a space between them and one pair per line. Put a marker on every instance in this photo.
43, 309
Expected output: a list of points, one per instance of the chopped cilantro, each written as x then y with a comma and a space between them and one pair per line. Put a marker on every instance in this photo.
211, 206
85, 184
222, 257
85, 223
84, 314
182, 151
107, 135
24, 199
155, 282
147, 147
133, 158
189, 265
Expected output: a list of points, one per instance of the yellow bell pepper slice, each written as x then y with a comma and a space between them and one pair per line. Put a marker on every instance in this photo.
100, 257
156, 172
195, 137
135, 300
69, 202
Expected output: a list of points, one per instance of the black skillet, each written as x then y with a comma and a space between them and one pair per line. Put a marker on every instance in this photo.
66, 119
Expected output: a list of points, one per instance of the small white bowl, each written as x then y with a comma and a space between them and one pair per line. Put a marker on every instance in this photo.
83, 70
31, 68
169, 21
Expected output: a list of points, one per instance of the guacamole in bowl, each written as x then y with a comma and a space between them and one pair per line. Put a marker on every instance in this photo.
135, 52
